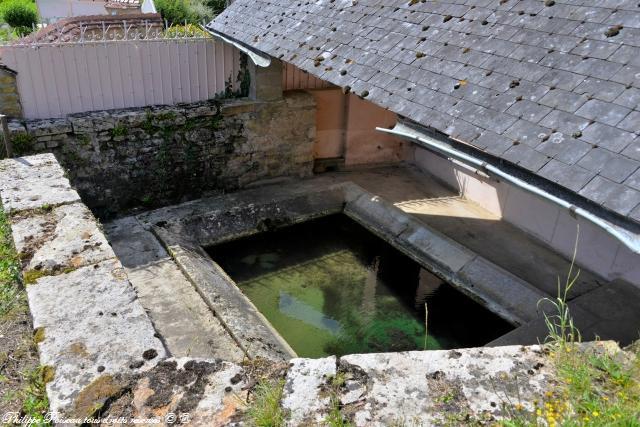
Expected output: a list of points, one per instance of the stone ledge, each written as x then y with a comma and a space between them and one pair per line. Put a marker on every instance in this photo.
32, 182
89, 322
410, 387
65, 237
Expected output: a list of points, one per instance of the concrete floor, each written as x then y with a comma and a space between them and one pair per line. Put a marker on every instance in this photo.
607, 310
185, 322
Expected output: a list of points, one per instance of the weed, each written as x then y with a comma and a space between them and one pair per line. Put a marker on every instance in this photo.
10, 289
426, 324
147, 200
22, 143
560, 325
335, 418
22, 385
46, 208
119, 131
265, 410
35, 403
595, 386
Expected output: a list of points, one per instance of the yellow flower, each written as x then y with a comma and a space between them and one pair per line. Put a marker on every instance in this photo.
595, 413
586, 419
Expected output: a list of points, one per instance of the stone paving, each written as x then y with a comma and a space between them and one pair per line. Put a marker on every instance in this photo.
188, 326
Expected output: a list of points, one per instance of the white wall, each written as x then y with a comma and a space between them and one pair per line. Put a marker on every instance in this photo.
53, 10
597, 250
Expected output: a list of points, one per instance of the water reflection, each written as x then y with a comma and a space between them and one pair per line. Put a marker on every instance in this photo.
330, 287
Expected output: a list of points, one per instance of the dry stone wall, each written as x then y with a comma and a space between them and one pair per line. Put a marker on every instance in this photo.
121, 159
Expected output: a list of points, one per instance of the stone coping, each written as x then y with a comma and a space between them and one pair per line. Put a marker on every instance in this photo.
86, 315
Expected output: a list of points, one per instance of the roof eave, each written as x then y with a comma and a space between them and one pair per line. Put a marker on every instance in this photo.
259, 58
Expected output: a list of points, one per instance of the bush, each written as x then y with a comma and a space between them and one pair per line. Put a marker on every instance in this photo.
216, 6
177, 11
19, 14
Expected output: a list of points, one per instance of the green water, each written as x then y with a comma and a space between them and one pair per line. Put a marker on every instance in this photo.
330, 287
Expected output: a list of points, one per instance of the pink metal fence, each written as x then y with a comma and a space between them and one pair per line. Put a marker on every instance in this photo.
60, 78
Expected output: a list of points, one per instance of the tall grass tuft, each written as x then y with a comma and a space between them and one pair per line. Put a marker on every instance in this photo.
265, 410
426, 324
560, 325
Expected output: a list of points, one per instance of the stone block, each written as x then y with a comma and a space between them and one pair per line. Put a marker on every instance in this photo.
91, 325
266, 83
304, 396
503, 290
32, 182
39, 128
66, 237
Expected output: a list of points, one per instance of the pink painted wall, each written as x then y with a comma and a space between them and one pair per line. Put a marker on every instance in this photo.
356, 140
597, 250
330, 110
94, 76
364, 143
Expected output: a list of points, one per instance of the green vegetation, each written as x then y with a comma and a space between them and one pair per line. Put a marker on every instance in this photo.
189, 30
119, 131
34, 394
335, 417
22, 382
22, 143
596, 386
265, 410
20, 15
11, 295
179, 12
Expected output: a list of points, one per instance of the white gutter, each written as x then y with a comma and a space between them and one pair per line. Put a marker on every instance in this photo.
260, 60
627, 238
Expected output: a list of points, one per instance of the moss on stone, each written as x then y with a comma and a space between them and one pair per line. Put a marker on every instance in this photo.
93, 396
30, 277
38, 335
48, 373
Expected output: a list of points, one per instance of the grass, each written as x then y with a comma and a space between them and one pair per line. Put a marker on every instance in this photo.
11, 296
265, 409
22, 382
595, 387
335, 417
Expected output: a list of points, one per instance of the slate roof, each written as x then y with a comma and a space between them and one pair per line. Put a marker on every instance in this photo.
552, 86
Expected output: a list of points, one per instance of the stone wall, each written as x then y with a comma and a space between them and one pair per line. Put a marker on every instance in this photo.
121, 159
9, 98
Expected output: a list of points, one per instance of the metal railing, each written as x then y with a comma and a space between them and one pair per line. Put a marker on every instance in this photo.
107, 31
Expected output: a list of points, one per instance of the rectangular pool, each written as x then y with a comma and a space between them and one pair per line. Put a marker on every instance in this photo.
330, 287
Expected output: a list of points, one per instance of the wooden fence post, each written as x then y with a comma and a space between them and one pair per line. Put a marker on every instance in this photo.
6, 136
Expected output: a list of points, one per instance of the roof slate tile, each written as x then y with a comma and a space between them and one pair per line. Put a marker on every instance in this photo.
539, 85
603, 112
